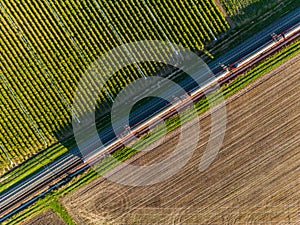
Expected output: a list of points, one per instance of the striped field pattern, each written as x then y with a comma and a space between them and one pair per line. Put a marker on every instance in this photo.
254, 179
46, 46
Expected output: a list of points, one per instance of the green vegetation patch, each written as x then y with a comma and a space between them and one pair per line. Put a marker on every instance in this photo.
46, 47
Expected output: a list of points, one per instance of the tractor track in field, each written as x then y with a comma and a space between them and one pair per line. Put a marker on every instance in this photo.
253, 179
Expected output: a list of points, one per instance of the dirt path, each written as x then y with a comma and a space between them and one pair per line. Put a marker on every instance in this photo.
254, 179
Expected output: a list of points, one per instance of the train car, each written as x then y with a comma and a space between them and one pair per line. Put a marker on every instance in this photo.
276, 40
291, 31
255, 54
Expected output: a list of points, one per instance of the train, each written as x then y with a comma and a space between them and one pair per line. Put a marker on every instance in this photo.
275, 41
142, 126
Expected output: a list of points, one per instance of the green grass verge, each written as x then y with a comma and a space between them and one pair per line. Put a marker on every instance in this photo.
51, 200
61, 211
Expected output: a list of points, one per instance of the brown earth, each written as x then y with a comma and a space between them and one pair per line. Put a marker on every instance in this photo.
48, 217
255, 178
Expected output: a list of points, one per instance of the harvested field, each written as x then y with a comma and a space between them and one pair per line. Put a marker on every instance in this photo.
47, 217
253, 180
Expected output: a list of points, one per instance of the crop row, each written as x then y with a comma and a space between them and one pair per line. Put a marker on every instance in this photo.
46, 47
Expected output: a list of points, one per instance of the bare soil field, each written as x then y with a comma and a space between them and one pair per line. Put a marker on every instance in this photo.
47, 217
255, 178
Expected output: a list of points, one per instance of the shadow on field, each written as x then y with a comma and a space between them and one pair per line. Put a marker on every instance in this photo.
141, 111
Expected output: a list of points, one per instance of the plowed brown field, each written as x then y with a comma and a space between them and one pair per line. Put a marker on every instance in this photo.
255, 178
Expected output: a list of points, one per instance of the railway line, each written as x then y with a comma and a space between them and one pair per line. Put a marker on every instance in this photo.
62, 170
222, 77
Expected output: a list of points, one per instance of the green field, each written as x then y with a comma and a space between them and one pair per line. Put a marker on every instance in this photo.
46, 46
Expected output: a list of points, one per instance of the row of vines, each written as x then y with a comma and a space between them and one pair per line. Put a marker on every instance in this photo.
46, 46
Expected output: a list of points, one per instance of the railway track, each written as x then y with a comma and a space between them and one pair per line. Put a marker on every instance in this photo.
182, 104
59, 173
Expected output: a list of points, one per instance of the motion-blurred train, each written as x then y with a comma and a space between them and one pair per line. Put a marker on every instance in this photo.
197, 92
275, 41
